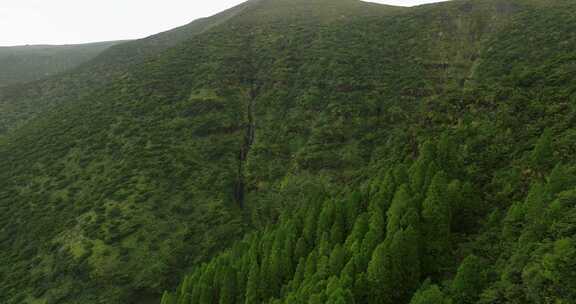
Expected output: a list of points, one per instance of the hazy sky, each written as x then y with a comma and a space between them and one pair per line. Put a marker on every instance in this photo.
79, 21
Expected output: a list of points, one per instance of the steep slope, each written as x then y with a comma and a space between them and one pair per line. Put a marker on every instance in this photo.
148, 171
19, 103
471, 200
20, 64
285, 103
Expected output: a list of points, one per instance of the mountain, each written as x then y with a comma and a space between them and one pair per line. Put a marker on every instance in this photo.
20, 103
307, 151
21, 64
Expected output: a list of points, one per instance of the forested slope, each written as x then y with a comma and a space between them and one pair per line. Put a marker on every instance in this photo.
22, 102
21, 64
378, 154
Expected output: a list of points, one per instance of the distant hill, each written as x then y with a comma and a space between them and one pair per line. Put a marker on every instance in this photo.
19, 103
21, 64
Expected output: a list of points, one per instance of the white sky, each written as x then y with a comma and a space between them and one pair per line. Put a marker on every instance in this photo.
80, 21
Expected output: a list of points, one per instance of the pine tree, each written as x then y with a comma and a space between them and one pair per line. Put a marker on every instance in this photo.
227, 280
401, 176
196, 291
514, 221
168, 298
362, 288
383, 197
406, 254
310, 224
299, 274
560, 269
542, 156
338, 229
275, 273
535, 206
184, 299
326, 219
420, 171
374, 236
324, 244
253, 292
436, 218
301, 249
560, 179
353, 207
394, 270
337, 292
454, 192
469, 281
400, 204
465, 206
430, 294
378, 272
322, 268
412, 219
185, 287
319, 298
266, 284
207, 284
337, 259
358, 231
535, 203
447, 153
287, 255
311, 263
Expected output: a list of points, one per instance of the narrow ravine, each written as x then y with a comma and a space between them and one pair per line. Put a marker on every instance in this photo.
249, 126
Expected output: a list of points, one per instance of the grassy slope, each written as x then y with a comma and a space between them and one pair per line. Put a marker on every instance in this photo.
163, 167
21, 64
19, 103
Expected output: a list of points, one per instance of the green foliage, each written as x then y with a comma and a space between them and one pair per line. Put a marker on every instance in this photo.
542, 157
394, 270
470, 280
436, 221
560, 268
21, 64
430, 294
355, 162
334, 270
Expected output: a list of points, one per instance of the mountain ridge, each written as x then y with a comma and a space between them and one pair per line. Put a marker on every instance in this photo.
19, 103
21, 64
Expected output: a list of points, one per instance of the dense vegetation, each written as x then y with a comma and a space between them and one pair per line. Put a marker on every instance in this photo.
411, 234
307, 151
20, 64
20, 103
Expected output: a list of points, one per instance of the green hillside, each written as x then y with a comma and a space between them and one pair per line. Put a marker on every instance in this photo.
308, 151
20, 103
20, 64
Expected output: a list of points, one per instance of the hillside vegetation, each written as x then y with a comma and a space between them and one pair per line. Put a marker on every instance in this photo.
308, 151
21, 64
20, 103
